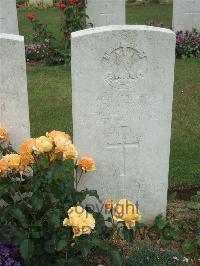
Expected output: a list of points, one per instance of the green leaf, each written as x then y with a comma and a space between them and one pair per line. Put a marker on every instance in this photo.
37, 202
109, 250
60, 262
169, 233
115, 257
188, 248
26, 249
193, 205
160, 222
54, 218
36, 233
4, 188
84, 247
18, 215
198, 240
61, 244
129, 235
81, 195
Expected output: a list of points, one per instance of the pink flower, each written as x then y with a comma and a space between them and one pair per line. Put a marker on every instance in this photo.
62, 6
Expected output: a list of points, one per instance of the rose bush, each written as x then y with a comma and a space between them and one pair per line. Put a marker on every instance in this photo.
42, 45
73, 19
43, 206
188, 44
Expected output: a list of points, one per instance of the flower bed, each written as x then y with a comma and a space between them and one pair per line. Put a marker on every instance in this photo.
45, 216
187, 42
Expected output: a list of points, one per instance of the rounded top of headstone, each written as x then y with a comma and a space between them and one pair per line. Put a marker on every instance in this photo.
113, 28
11, 37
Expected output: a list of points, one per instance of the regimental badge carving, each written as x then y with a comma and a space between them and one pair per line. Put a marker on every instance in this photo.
123, 66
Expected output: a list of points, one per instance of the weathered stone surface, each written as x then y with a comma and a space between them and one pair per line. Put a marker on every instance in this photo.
122, 80
186, 14
14, 111
44, 2
106, 12
8, 17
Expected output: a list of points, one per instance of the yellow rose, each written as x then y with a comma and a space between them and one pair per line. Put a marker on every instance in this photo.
109, 204
43, 144
126, 211
60, 139
26, 160
3, 135
28, 146
13, 161
3, 166
86, 164
26, 150
70, 153
81, 221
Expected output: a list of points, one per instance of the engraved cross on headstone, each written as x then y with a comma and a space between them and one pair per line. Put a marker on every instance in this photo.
124, 145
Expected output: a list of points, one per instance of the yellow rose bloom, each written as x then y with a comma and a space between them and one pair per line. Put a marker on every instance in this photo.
3, 166
60, 139
70, 153
126, 211
81, 221
28, 146
109, 204
3, 135
13, 161
43, 144
26, 149
26, 160
86, 164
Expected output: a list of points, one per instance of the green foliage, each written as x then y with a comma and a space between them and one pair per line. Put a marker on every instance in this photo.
35, 219
163, 230
188, 44
193, 247
148, 255
43, 47
73, 19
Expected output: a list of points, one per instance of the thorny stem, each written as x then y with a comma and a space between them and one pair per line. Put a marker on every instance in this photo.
19, 192
78, 179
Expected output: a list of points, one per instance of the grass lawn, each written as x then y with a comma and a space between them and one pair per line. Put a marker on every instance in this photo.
50, 94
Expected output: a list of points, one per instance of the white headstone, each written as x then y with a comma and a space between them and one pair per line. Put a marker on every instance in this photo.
8, 17
122, 80
44, 2
14, 110
106, 12
186, 14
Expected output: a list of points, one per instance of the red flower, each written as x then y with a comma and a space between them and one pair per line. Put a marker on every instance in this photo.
73, 1
62, 6
30, 16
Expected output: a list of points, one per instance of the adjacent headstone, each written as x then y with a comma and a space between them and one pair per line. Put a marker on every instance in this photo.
122, 81
14, 110
8, 17
106, 12
186, 15
43, 2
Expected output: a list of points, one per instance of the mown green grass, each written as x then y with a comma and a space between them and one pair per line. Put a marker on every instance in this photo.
50, 94
185, 142
143, 14
51, 17
50, 105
